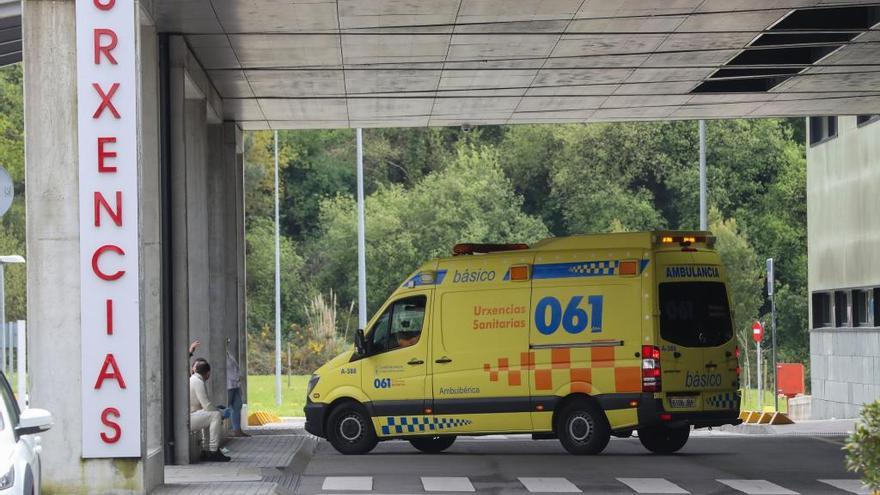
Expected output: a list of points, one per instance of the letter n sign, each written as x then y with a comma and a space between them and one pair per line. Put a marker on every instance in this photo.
108, 228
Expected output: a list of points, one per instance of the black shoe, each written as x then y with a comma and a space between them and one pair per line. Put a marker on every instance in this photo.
216, 456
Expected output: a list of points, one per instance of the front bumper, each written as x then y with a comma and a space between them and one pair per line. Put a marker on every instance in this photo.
315, 414
652, 414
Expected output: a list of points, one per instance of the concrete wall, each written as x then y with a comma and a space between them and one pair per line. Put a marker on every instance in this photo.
843, 180
845, 371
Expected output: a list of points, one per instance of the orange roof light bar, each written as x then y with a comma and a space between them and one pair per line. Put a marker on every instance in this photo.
687, 240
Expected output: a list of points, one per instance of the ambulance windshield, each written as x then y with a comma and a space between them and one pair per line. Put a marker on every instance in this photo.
695, 314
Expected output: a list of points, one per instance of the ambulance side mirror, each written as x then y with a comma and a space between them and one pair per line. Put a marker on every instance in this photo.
360, 342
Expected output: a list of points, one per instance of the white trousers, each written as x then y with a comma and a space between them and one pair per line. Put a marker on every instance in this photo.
207, 419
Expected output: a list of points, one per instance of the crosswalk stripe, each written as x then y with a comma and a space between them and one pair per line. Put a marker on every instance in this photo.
757, 487
851, 486
653, 485
354, 483
447, 484
549, 485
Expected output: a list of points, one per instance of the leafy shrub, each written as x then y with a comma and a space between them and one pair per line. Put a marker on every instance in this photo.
863, 447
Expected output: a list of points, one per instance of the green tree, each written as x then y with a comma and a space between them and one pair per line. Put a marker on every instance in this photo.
12, 224
744, 276
260, 245
469, 200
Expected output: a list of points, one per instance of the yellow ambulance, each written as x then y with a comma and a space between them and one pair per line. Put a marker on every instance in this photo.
576, 338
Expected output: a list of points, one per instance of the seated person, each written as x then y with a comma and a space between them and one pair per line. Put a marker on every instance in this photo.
406, 339
203, 414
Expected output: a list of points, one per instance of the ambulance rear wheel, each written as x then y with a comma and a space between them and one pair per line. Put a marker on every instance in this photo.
582, 428
433, 445
664, 440
350, 430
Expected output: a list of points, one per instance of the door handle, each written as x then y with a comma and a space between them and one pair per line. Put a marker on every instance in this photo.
415, 362
711, 366
443, 360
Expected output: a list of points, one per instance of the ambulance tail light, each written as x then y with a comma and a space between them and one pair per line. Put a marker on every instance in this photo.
651, 369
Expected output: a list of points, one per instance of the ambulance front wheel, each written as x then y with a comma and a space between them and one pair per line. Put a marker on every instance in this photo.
664, 440
433, 445
350, 430
582, 428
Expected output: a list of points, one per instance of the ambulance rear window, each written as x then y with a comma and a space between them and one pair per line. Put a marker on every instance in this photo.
695, 314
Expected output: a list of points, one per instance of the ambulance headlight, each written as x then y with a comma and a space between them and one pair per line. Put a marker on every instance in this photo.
312, 382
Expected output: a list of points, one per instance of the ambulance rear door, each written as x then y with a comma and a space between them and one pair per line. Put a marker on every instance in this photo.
696, 332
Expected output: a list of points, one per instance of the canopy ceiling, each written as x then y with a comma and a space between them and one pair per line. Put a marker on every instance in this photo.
389, 63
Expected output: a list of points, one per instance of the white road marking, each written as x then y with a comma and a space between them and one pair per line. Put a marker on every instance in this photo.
757, 487
447, 484
359, 483
652, 485
549, 485
851, 486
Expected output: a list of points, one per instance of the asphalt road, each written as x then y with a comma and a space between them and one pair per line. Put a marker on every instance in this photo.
710, 464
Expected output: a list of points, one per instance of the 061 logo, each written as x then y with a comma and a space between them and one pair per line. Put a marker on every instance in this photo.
383, 383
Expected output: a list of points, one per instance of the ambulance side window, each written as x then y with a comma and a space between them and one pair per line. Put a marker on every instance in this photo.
400, 325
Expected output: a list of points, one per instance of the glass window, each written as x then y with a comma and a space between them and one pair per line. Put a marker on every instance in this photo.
695, 314
861, 302
821, 310
400, 325
822, 129
9, 402
841, 309
875, 302
867, 119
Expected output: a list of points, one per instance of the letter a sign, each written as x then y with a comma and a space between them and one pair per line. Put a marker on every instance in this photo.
758, 332
108, 228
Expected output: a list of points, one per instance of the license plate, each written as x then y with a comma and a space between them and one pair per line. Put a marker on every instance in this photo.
683, 402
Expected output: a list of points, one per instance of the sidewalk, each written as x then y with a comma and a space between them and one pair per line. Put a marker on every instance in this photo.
809, 428
265, 464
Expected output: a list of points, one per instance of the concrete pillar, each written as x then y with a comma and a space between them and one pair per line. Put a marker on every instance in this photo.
150, 227
225, 239
207, 235
52, 209
240, 280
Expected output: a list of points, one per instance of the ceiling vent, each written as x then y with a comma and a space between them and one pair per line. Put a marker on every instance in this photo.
798, 40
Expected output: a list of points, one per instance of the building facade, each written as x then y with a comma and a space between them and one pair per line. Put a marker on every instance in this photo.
843, 180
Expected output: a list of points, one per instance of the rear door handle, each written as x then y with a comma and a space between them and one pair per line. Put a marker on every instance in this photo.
415, 362
711, 366
443, 360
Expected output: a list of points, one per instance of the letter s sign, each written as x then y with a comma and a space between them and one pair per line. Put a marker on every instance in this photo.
574, 320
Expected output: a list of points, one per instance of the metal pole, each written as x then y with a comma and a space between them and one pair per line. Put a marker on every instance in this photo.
22, 366
3, 306
362, 256
288, 365
771, 293
277, 286
704, 221
3, 348
10, 348
760, 389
